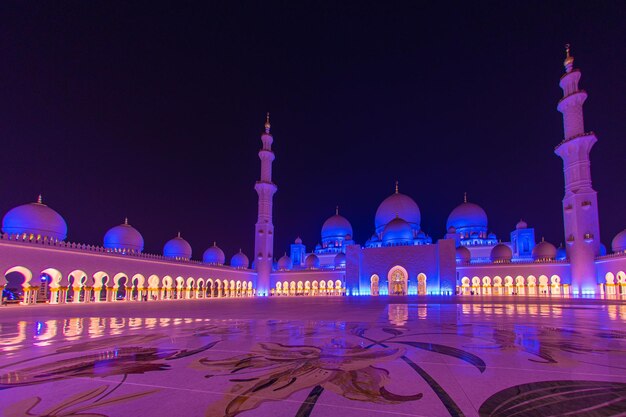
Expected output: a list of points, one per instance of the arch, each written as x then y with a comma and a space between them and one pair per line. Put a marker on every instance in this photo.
486, 281
555, 284
497, 281
120, 282
609, 278
26, 275
531, 281
421, 283
76, 281
374, 289
475, 282
339, 287
101, 281
397, 279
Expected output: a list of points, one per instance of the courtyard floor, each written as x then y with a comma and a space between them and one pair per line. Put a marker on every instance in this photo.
317, 357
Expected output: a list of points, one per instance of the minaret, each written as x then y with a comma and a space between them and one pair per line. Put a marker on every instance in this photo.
264, 229
580, 204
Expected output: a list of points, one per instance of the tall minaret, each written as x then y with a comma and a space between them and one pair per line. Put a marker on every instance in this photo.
580, 204
264, 228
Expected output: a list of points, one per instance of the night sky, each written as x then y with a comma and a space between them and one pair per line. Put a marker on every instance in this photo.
154, 110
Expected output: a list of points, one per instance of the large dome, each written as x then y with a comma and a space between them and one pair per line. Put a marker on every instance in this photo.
397, 205
619, 242
397, 232
239, 260
36, 219
177, 248
336, 226
340, 260
214, 255
467, 215
123, 237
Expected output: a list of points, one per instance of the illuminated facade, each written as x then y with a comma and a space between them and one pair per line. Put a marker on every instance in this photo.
398, 259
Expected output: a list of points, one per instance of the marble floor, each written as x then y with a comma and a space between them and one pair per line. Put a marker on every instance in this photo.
317, 357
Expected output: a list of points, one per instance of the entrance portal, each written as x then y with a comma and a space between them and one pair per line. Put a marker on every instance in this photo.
397, 279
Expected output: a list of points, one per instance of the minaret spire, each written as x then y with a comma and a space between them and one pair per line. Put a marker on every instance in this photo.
264, 228
580, 203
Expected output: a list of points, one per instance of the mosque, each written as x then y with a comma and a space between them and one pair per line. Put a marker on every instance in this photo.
399, 259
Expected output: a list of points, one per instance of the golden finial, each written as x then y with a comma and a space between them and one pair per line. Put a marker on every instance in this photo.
336, 210
126, 220
396, 186
39, 199
267, 123
569, 60
214, 243
465, 197
179, 234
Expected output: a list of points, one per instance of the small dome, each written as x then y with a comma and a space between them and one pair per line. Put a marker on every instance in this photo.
602, 249
501, 253
544, 251
451, 230
397, 205
491, 235
36, 219
336, 226
561, 254
467, 215
298, 241
463, 254
397, 232
214, 256
239, 260
285, 263
177, 248
123, 237
619, 242
521, 224
340, 260
312, 262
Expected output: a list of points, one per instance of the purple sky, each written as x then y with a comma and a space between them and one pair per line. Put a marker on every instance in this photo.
154, 111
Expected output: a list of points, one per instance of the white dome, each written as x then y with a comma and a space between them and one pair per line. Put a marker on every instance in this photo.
521, 225
544, 251
619, 242
284, 263
239, 260
336, 226
36, 219
312, 261
214, 255
463, 254
340, 260
123, 237
397, 205
177, 248
467, 215
501, 253
397, 232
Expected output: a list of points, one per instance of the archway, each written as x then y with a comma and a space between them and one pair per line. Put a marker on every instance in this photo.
397, 280
610, 283
374, 290
75, 282
421, 284
18, 284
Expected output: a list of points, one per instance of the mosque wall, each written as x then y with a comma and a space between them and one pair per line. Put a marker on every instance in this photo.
434, 263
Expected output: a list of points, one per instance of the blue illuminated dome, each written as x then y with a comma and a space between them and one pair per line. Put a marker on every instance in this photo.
340, 260
397, 232
501, 253
123, 237
177, 248
214, 255
561, 254
239, 260
618, 244
463, 254
284, 263
544, 251
36, 219
467, 215
336, 226
397, 205
312, 262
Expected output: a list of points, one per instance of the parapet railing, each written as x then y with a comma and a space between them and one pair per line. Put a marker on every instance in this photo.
488, 261
60, 244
